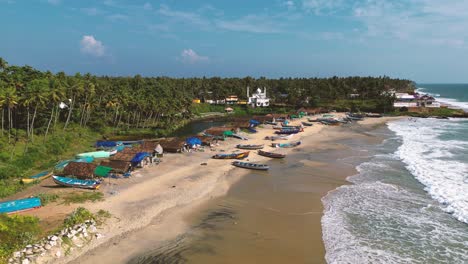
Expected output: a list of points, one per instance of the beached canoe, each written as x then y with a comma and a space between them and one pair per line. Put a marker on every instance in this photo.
271, 123
62, 164
286, 145
287, 131
76, 183
307, 124
97, 154
252, 130
249, 165
241, 155
238, 136
20, 205
271, 154
37, 177
249, 146
84, 159
279, 137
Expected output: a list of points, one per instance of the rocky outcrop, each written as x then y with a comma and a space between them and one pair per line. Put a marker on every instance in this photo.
57, 245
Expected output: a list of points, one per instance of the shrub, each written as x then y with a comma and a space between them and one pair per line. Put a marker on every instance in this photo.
16, 232
79, 216
47, 198
82, 197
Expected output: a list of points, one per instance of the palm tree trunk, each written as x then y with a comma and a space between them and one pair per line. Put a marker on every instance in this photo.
9, 124
69, 113
48, 124
32, 123
27, 125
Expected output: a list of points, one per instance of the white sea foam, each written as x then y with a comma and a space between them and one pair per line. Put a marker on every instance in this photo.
430, 160
376, 222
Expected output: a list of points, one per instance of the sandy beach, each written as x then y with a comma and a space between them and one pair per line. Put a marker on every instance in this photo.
162, 196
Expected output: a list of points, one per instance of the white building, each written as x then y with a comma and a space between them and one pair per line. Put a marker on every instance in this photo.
414, 100
258, 99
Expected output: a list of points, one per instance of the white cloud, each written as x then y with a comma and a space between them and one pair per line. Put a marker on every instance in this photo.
289, 5
322, 7
251, 24
91, 46
189, 56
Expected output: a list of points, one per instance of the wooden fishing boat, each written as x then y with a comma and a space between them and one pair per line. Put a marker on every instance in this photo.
97, 154
279, 137
271, 154
287, 131
238, 136
76, 183
249, 146
20, 205
241, 155
37, 177
307, 124
271, 123
375, 115
62, 164
286, 145
249, 165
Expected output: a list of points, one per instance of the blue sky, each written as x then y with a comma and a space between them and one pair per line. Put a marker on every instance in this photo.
423, 40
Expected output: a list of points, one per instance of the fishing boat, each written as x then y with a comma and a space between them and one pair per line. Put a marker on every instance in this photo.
271, 123
375, 115
84, 159
313, 120
20, 205
97, 154
238, 136
69, 182
249, 165
287, 131
307, 124
241, 155
37, 177
249, 146
271, 154
62, 164
286, 145
279, 137
252, 130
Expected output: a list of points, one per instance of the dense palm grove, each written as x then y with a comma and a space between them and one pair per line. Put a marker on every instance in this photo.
43, 113
30, 99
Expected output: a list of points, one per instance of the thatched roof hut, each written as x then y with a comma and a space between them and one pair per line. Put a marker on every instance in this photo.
118, 166
126, 155
81, 170
173, 145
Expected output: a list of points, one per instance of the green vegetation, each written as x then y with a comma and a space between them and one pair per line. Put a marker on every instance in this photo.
79, 216
47, 198
429, 112
82, 197
16, 232
46, 117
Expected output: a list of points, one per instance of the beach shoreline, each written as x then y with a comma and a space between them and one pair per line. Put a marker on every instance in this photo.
162, 196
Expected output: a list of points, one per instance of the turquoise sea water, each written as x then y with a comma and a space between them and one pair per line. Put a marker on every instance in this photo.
409, 203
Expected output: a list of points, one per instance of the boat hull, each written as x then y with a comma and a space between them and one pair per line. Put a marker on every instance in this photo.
271, 154
286, 145
251, 147
38, 177
242, 155
83, 184
20, 205
251, 166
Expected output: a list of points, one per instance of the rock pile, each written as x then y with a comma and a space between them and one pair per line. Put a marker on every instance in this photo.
57, 245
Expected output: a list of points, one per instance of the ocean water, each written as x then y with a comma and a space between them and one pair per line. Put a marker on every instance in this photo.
409, 203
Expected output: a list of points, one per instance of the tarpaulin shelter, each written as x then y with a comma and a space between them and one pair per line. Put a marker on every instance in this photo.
139, 157
107, 144
254, 122
102, 171
192, 141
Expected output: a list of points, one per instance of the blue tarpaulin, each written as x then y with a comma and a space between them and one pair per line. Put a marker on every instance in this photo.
193, 141
254, 122
107, 144
140, 156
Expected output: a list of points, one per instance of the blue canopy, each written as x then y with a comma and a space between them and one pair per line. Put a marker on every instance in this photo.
254, 122
139, 157
192, 141
108, 144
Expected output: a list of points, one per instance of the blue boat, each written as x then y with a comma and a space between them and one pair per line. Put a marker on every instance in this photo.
21, 205
38, 177
62, 164
84, 159
287, 131
286, 145
76, 183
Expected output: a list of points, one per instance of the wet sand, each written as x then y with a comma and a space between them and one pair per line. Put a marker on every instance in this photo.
152, 214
